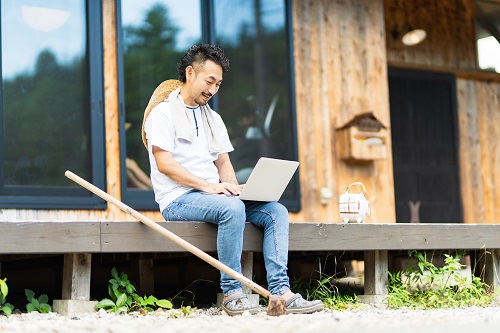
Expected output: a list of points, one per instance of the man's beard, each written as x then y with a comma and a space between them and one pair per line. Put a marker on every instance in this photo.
201, 101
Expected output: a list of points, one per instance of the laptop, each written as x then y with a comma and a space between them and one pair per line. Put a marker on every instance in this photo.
268, 179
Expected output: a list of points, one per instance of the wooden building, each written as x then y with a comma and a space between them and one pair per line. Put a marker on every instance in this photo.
343, 55
348, 59
418, 125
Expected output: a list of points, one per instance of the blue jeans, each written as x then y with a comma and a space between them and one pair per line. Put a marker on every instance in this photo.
230, 214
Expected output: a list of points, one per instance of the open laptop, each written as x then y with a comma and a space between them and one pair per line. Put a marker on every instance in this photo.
268, 179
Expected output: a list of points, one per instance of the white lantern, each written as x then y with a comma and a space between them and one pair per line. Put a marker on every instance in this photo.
354, 207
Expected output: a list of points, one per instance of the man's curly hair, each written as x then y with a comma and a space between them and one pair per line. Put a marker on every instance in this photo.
199, 54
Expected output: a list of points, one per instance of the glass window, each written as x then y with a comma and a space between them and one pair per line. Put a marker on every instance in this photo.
255, 97
488, 35
255, 100
155, 36
46, 103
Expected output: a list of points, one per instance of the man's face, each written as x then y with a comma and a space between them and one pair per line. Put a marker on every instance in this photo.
202, 82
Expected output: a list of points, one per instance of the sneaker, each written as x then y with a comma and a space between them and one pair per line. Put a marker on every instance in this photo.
296, 304
239, 303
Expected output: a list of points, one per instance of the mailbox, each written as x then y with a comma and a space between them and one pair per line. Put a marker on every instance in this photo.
362, 138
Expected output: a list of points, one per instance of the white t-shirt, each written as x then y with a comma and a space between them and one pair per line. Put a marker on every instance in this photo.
194, 156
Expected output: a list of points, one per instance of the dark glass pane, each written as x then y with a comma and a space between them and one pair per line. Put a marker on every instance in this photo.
155, 36
45, 81
254, 99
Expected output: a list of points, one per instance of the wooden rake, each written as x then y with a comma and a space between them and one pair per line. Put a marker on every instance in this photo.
276, 304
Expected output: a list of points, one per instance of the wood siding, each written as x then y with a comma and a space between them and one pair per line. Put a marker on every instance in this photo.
450, 31
340, 71
450, 47
479, 127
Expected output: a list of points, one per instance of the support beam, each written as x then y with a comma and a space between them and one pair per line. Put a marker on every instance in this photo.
247, 268
247, 271
76, 276
487, 265
145, 276
376, 276
75, 286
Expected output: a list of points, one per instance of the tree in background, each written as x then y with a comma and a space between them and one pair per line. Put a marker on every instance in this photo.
150, 57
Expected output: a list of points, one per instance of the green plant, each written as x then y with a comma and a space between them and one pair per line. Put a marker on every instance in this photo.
123, 297
325, 289
39, 304
5, 307
423, 285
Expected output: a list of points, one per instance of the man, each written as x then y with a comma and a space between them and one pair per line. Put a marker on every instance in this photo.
194, 180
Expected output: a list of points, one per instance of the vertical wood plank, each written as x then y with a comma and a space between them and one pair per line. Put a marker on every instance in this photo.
479, 132
341, 71
111, 104
76, 276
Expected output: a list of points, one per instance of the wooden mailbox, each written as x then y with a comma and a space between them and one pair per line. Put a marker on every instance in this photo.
362, 138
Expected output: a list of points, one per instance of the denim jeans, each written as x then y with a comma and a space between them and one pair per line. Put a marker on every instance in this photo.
230, 214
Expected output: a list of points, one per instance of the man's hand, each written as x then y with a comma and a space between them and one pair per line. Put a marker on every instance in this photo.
223, 188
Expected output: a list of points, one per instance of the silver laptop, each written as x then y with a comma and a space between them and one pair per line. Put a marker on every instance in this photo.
269, 179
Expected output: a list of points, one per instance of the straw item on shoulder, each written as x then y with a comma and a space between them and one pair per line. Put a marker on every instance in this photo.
276, 306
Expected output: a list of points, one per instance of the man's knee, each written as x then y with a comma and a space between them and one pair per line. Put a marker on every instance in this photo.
279, 212
234, 210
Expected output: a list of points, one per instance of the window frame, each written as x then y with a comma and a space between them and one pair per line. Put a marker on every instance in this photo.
66, 197
144, 199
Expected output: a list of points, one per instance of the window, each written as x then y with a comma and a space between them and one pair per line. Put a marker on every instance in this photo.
488, 35
155, 35
51, 115
256, 99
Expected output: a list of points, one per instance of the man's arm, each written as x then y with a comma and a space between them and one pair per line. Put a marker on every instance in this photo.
226, 170
172, 169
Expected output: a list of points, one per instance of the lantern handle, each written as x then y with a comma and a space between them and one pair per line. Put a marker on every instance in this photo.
359, 184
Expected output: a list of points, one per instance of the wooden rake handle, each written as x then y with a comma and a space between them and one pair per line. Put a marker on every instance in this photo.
173, 237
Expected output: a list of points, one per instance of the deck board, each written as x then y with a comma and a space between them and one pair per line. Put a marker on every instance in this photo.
49, 237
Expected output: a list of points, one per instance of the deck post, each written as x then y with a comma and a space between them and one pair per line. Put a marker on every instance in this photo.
491, 269
376, 276
75, 286
247, 271
145, 276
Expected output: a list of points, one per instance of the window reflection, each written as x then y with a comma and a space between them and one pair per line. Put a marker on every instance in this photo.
254, 98
155, 36
45, 80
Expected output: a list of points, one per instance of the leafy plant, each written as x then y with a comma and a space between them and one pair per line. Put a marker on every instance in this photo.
39, 304
5, 307
325, 289
424, 285
123, 297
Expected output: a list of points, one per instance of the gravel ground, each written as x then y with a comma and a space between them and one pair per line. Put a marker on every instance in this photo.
366, 319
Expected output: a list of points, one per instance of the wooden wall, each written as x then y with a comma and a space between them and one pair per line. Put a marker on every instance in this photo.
340, 71
479, 125
450, 31
450, 46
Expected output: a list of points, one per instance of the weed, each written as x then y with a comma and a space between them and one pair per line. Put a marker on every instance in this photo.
39, 304
5, 307
123, 297
425, 286
325, 289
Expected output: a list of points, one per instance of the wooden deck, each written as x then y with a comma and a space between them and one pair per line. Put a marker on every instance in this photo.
78, 240
97, 237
